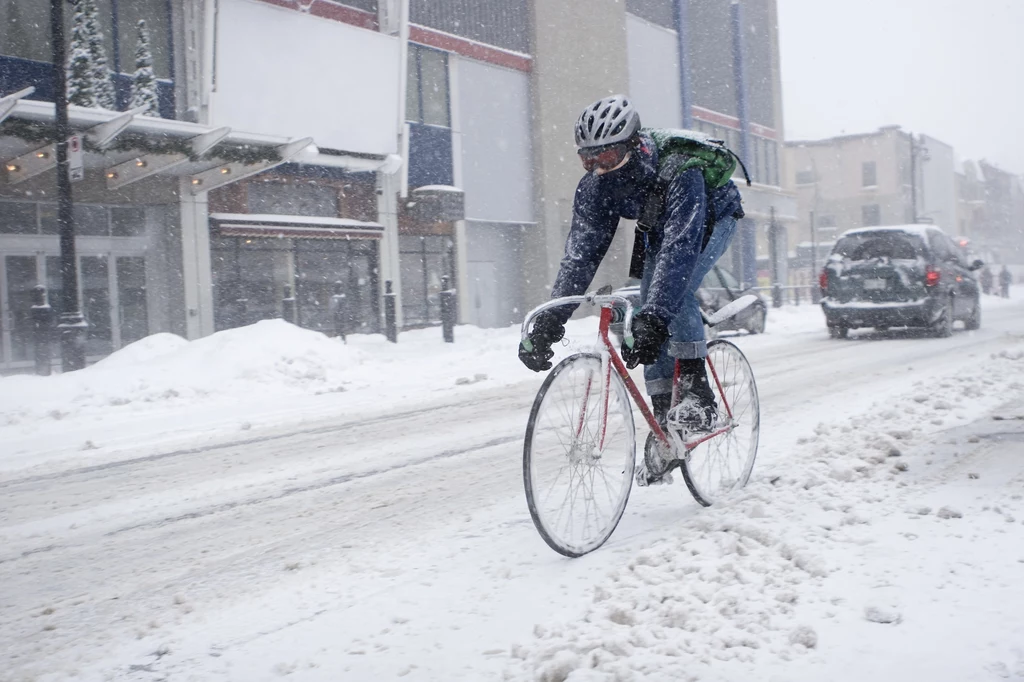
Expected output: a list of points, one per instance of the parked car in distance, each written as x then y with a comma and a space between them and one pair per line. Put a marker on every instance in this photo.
899, 276
718, 289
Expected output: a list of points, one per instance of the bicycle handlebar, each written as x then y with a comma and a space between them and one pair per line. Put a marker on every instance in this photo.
593, 298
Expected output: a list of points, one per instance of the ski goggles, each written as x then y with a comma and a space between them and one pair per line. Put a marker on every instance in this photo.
603, 157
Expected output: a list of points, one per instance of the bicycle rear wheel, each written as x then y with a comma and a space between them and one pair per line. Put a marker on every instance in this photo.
724, 462
577, 471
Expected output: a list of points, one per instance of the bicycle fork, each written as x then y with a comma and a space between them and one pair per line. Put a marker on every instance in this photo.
604, 386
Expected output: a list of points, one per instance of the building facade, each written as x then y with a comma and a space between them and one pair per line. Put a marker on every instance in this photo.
247, 197
708, 65
280, 179
888, 177
991, 212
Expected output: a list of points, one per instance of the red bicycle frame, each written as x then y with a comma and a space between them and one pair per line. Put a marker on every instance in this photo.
616, 361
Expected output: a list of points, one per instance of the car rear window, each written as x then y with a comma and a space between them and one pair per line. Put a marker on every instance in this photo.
868, 245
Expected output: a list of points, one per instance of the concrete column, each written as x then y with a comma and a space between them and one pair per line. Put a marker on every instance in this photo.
568, 75
461, 246
195, 262
388, 186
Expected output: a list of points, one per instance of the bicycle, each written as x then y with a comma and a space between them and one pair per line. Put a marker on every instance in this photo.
579, 456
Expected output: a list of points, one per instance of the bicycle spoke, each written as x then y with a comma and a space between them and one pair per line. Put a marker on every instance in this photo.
576, 491
723, 462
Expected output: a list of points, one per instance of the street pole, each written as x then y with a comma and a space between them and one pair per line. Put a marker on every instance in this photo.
913, 179
72, 326
815, 289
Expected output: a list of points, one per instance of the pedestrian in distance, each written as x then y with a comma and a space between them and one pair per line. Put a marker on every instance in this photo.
1004, 282
986, 281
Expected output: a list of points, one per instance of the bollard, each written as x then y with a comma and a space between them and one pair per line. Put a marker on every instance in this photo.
288, 305
796, 295
447, 311
777, 295
42, 329
390, 330
338, 310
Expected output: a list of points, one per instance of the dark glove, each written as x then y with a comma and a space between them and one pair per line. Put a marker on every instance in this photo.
546, 331
649, 334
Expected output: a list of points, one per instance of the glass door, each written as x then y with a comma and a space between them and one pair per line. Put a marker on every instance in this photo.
20, 275
133, 317
95, 278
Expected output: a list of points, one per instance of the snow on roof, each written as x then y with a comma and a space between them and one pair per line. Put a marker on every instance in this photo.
274, 219
918, 229
437, 188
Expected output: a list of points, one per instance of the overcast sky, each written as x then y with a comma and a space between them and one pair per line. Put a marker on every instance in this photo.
953, 69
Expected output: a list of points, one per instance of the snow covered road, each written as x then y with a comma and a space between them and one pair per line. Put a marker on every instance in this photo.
397, 544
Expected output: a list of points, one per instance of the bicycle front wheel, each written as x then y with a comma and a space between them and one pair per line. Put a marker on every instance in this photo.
725, 462
578, 466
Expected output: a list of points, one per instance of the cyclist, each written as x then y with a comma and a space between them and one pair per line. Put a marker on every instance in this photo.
692, 230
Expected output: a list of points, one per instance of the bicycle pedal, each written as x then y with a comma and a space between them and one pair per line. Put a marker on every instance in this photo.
643, 480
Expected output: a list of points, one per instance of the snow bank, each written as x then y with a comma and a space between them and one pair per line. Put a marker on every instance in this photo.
815, 554
268, 356
267, 372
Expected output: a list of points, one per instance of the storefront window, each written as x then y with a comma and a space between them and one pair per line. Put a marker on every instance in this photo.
250, 276
17, 218
425, 260
91, 221
25, 31
21, 277
131, 295
155, 13
96, 304
305, 199
127, 221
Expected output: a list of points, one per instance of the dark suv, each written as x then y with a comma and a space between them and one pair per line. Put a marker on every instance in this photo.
901, 276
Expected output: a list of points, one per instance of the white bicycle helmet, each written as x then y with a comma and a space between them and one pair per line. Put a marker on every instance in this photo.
607, 121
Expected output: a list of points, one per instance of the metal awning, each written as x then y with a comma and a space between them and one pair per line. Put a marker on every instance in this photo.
268, 226
121, 167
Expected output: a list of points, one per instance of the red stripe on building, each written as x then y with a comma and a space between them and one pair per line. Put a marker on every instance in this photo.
287, 4
718, 118
343, 14
326, 9
469, 48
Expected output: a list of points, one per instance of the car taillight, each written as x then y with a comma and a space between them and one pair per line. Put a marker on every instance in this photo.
931, 277
823, 280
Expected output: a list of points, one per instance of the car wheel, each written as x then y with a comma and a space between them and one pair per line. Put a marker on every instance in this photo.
943, 327
757, 319
974, 321
838, 331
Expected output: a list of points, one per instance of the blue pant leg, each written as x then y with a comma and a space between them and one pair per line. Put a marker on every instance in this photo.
687, 328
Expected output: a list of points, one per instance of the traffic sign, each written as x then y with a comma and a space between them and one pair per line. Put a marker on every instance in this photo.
76, 164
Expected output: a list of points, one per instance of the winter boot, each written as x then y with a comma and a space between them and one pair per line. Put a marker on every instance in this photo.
656, 461
696, 411
660, 404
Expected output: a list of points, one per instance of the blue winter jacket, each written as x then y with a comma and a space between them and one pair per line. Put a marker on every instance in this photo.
602, 199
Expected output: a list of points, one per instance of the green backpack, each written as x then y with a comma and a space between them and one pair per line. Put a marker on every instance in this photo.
680, 150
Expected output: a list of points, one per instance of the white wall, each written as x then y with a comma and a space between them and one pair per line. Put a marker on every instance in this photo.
494, 117
282, 72
938, 186
653, 57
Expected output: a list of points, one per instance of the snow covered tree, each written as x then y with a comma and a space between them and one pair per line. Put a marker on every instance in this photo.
143, 81
89, 79
80, 85
103, 84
